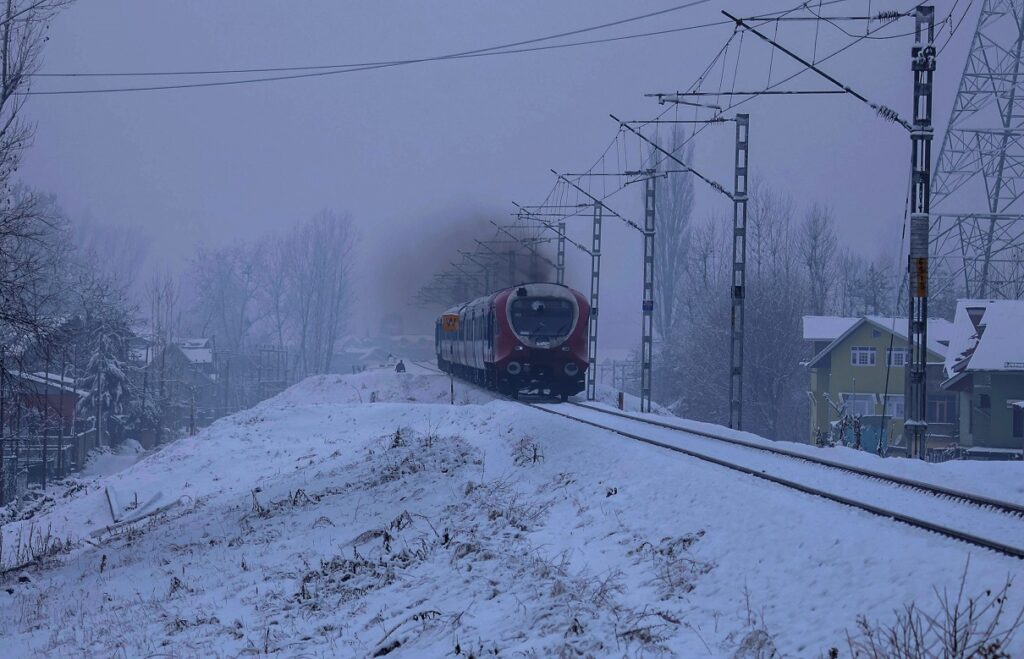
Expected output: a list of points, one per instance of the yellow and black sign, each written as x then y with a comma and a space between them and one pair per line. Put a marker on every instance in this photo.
922, 277
450, 322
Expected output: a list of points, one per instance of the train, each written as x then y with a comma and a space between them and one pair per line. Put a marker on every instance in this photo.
530, 338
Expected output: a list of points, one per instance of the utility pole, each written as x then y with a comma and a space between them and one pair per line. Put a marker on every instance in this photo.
739, 272
923, 65
648, 304
647, 323
560, 260
595, 293
595, 279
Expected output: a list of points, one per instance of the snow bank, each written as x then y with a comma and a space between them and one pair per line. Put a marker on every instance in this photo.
319, 525
106, 461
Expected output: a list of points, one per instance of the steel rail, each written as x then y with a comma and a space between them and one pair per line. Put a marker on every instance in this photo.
963, 536
936, 490
916, 522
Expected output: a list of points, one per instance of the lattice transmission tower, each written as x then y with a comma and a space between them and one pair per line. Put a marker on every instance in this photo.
977, 221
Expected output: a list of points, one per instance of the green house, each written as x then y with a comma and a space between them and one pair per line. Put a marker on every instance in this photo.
858, 364
985, 369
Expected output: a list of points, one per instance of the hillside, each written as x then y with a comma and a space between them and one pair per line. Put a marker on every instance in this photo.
364, 516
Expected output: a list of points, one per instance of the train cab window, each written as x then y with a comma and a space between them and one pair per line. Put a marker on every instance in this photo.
542, 318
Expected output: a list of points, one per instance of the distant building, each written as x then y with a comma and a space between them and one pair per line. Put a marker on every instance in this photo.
183, 374
985, 369
49, 395
860, 363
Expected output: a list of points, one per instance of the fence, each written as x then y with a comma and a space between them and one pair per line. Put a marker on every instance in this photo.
38, 459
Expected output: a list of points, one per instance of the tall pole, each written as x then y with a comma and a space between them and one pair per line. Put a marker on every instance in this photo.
647, 323
46, 412
3, 425
595, 292
60, 431
560, 267
923, 65
739, 272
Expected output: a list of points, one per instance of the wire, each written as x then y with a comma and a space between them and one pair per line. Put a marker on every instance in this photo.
368, 67
892, 330
654, 159
956, 27
729, 108
333, 68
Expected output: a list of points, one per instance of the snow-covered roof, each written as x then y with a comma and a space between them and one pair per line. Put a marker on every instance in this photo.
939, 331
964, 333
198, 355
51, 379
197, 351
826, 328
994, 344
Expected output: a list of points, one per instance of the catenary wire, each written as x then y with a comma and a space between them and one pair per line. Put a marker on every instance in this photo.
360, 65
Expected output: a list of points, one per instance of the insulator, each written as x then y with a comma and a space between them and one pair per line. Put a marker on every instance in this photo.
888, 113
889, 16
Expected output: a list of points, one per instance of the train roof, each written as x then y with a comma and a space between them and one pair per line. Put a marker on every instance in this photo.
459, 307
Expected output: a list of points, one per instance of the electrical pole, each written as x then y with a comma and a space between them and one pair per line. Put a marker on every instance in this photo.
560, 261
647, 323
595, 279
595, 291
739, 272
923, 65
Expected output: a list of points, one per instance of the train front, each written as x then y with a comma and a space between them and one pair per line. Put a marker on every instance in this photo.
542, 340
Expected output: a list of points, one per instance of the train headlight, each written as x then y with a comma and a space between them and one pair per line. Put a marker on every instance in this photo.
571, 369
514, 368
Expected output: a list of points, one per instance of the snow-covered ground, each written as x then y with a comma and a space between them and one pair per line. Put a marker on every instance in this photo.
362, 515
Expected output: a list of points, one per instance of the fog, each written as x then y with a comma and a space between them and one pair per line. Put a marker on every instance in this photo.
407, 150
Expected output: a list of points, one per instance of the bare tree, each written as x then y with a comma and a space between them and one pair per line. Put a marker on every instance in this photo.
226, 281
319, 266
818, 252
691, 370
674, 209
117, 252
34, 248
274, 280
694, 367
163, 294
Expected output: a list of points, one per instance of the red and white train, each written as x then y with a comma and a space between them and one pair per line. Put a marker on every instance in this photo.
531, 337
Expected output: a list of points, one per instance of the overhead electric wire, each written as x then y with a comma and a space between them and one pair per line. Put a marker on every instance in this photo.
779, 83
720, 55
508, 48
955, 28
602, 26
369, 67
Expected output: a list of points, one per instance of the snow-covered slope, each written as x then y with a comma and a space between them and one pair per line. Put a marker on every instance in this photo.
363, 515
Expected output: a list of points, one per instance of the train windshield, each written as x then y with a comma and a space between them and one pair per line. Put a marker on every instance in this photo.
542, 317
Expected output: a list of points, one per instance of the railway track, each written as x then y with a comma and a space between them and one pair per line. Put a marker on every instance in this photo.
1001, 519
898, 481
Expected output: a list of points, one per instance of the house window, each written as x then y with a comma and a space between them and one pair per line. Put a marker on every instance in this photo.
941, 409
859, 404
1018, 421
898, 357
894, 406
862, 356
984, 402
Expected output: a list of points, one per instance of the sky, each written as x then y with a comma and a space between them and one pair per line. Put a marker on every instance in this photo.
412, 152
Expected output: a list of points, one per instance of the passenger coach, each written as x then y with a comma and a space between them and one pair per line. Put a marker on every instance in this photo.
529, 338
